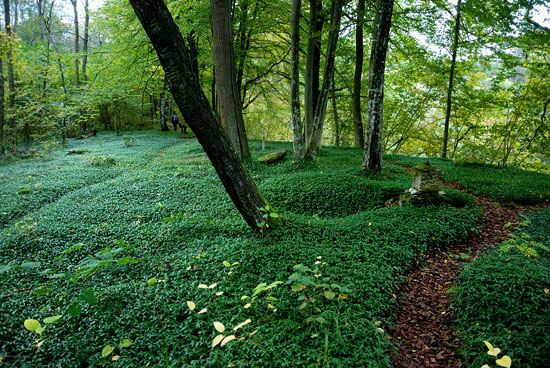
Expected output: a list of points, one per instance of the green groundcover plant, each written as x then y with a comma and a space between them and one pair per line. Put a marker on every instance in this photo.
504, 298
133, 255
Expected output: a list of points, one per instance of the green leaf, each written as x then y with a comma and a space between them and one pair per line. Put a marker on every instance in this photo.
298, 287
89, 297
274, 215
107, 350
329, 295
31, 324
124, 343
74, 310
321, 320
5, 268
464, 256
152, 281
52, 319
30, 265
226, 264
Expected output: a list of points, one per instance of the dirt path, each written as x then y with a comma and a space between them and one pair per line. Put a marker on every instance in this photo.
424, 318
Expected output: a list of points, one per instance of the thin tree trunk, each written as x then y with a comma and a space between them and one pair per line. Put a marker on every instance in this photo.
451, 80
313, 145
297, 126
85, 43
228, 94
11, 78
2, 150
193, 104
335, 115
76, 45
359, 56
162, 108
372, 159
313, 57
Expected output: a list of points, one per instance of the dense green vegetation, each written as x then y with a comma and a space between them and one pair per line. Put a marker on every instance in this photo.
120, 249
504, 298
160, 201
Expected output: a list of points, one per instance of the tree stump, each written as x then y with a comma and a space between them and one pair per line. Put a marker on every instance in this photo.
426, 187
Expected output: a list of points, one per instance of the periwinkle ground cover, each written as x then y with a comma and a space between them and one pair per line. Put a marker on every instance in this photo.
152, 222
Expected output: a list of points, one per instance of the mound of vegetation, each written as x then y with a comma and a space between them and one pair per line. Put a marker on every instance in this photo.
504, 298
327, 194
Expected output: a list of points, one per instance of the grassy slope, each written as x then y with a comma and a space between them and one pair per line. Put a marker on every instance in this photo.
96, 201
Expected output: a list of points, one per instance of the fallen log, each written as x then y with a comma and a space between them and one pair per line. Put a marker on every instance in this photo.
273, 157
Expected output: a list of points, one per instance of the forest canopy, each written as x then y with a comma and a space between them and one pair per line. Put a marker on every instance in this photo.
479, 68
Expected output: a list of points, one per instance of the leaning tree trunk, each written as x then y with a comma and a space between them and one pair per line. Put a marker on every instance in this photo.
297, 126
312, 146
357, 118
451, 80
224, 61
372, 159
193, 104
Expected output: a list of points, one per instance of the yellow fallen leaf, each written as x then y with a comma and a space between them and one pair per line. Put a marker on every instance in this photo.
505, 361
227, 339
191, 305
219, 326
217, 340
203, 286
203, 310
115, 358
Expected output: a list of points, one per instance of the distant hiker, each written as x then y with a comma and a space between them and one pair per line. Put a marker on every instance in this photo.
175, 122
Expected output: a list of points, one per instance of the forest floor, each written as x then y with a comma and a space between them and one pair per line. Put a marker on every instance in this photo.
110, 243
424, 321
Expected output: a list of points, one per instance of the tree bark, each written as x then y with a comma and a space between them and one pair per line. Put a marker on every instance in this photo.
162, 108
359, 56
314, 143
335, 114
193, 104
451, 80
228, 95
1, 108
313, 62
372, 159
9, 55
297, 126
85, 43
76, 45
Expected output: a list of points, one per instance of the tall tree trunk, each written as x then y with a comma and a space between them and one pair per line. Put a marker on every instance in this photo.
335, 114
297, 126
451, 80
193, 104
11, 78
224, 61
76, 45
372, 159
1, 108
162, 108
314, 143
86, 39
313, 62
359, 56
